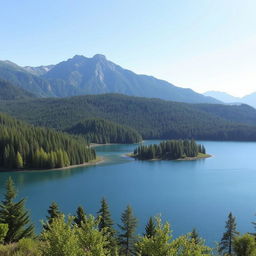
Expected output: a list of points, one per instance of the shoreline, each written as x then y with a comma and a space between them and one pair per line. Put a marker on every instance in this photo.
98, 160
179, 159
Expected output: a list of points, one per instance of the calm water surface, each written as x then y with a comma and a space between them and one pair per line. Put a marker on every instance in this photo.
187, 193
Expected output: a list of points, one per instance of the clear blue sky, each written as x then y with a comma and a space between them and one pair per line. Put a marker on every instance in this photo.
201, 44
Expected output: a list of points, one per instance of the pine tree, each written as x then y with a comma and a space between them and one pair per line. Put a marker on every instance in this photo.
106, 224
195, 236
150, 229
226, 244
80, 216
15, 216
54, 213
127, 235
19, 161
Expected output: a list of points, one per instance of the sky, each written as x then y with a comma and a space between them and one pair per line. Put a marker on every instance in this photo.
198, 44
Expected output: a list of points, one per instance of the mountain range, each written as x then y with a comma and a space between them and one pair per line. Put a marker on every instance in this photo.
227, 98
97, 75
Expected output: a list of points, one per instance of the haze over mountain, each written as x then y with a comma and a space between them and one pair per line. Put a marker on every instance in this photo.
97, 75
227, 98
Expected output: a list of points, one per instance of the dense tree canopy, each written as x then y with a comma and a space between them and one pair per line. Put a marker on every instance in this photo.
169, 150
26, 146
103, 131
152, 118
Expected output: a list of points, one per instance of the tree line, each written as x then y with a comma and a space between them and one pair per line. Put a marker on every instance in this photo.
169, 150
152, 118
25, 146
86, 235
102, 131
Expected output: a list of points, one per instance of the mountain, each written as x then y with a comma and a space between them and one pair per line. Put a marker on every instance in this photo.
97, 75
38, 71
152, 118
80, 75
250, 99
222, 96
227, 98
19, 76
9, 91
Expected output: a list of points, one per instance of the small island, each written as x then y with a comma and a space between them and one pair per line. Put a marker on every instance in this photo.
171, 150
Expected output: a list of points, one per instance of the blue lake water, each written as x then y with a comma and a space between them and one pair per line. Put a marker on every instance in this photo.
189, 194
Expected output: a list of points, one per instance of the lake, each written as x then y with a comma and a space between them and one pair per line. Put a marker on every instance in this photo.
189, 194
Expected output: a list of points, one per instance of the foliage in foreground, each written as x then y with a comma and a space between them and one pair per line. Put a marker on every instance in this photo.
85, 235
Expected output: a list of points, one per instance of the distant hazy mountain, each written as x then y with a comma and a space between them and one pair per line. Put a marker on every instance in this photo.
227, 98
250, 99
19, 76
80, 75
222, 96
9, 91
38, 71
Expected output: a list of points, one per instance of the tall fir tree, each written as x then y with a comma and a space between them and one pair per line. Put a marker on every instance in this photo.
150, 229
227, 241
127, 237
106, 225
54, 213
195, 236
80, 216
19, 161
15, 216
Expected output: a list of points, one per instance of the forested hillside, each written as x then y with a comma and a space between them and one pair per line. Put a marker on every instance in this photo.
103, 131
152, 118
9, 91
26, 146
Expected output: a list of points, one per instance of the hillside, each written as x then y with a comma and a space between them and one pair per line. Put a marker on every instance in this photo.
22, 78
25, 146
152, 118
103, 131
249, 99
9, 91
97, 75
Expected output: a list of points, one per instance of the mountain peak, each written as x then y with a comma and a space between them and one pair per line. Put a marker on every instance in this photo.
78, 57
99, 57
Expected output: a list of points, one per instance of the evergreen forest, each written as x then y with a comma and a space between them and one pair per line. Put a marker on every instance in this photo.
26, 146
170, 150
152, 118
102, 131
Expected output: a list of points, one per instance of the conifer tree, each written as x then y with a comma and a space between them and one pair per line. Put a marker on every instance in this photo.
19, 161
127, 236
150, 229
15, 216
195, 236
80, 216
226, 244
54, 213
106, 224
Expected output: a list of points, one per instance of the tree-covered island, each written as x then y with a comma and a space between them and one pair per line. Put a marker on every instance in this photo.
171, 150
